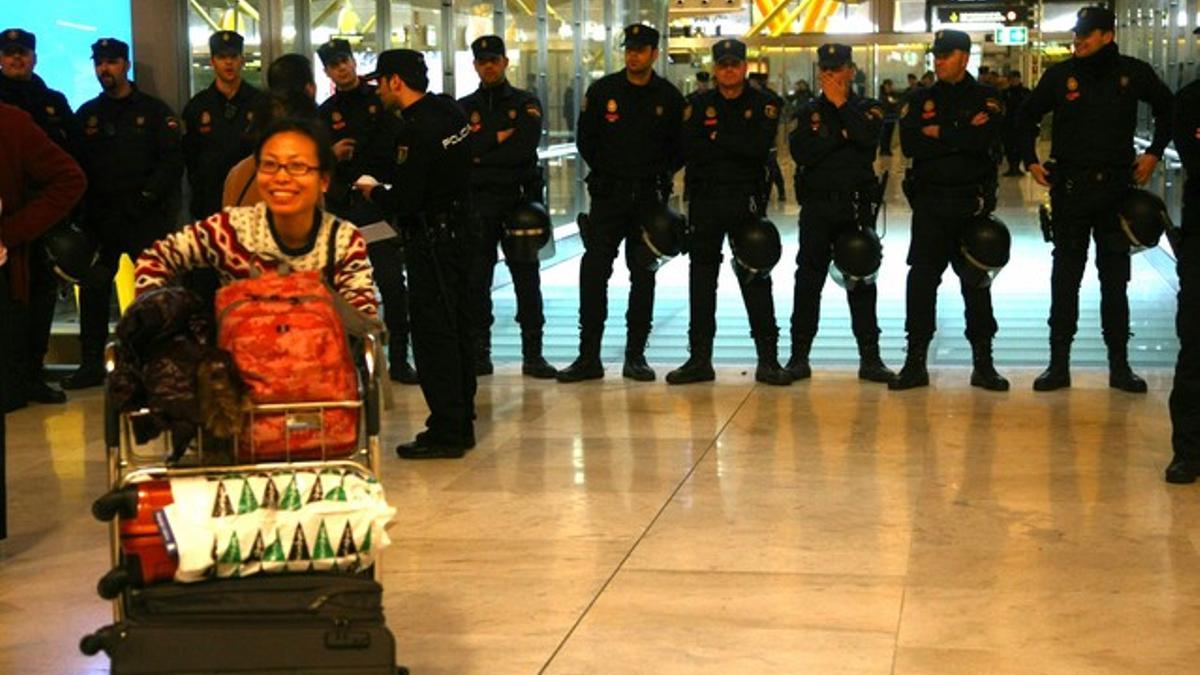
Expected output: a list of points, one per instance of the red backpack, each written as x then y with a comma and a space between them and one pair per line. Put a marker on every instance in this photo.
290, 347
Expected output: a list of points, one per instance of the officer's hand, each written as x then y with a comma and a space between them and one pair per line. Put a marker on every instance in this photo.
365, 184
1143, 168
3, 254
1039, 174
932, 131
502, 136
344, 149
834, 89
980, 119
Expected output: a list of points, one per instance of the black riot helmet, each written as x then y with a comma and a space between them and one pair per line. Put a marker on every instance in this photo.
756, 249
526, 231
70, 252
1141, 220
857, 255
659, 238
984, 246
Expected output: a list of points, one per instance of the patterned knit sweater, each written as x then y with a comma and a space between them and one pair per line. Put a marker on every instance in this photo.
238, 239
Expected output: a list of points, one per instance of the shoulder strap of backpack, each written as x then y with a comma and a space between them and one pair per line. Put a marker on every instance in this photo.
245, 189
331, 252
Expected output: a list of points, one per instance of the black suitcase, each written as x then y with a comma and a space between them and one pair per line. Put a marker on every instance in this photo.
313, 624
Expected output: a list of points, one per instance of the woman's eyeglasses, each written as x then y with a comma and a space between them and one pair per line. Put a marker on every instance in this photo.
271, 167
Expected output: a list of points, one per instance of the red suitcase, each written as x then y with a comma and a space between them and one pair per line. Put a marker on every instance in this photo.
147, 554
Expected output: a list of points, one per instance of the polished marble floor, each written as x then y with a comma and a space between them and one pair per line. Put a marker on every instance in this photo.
827, 527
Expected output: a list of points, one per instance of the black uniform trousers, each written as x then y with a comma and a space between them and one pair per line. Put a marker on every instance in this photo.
95, 298
440, 261
1085, 210
715, 213
387, 259
493, 207
821, 223
1185, 395
937, 223
775, 174
613, 218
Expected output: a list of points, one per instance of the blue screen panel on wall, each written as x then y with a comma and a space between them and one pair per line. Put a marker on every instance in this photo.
65, 31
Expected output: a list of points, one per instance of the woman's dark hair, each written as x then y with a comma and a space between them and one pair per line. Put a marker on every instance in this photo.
290, 80
315, 132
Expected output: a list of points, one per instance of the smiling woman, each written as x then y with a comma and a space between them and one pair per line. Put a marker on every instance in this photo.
294, 161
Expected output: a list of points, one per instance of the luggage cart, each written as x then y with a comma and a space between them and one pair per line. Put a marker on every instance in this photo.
130, 463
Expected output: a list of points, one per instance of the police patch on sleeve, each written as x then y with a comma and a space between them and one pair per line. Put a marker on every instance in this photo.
876, 111
532, 110
401, 154
687, 112
993, 105
771, 111
172, 123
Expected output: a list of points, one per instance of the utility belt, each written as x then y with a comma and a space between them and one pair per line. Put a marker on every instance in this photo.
437, 228
606, 185
865, 193
1076, 178
972, 198
702, 188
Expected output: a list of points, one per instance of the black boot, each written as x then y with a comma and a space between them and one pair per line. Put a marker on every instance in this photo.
636, 367
587, 366
1120, 375
984, 375
870, 366
399, 369
1058, 374
532, 363
914, 373
797, 365
483, 355
698, 367
90, 373
769, 371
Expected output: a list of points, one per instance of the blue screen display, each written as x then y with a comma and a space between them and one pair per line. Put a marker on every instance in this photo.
65, 31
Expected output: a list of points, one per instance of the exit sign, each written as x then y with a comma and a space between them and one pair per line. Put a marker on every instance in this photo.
1012, 36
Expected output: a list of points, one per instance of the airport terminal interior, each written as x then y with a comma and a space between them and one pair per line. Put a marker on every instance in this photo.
613, 526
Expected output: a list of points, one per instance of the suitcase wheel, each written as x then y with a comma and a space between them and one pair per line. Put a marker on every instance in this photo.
114, 582
101, 640
123, 502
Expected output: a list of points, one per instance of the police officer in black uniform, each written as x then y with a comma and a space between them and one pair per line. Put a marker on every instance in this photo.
628, 133
430, 201
1013, 97
217, 122
1185, 396
364, 133
506, 126
948, 130
130, 151
834, 145
1094, 97
21, 87
727, 135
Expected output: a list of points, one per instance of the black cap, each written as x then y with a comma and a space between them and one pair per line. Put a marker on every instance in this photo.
406, 63
703, 76
487, 47
19, 38
225, 42
945, 41
334, 51
640, 35
833, 55
729, 49
1089, 19
109, 48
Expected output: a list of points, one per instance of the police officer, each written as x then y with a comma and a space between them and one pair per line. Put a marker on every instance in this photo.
703, 84
430, 201
217, 121
948, 129
364, 133
1185, 396
774, 173
629, 136
834, 144
1094, 97
506, 125
130, 151
21, 87
727, 134
1014, 96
